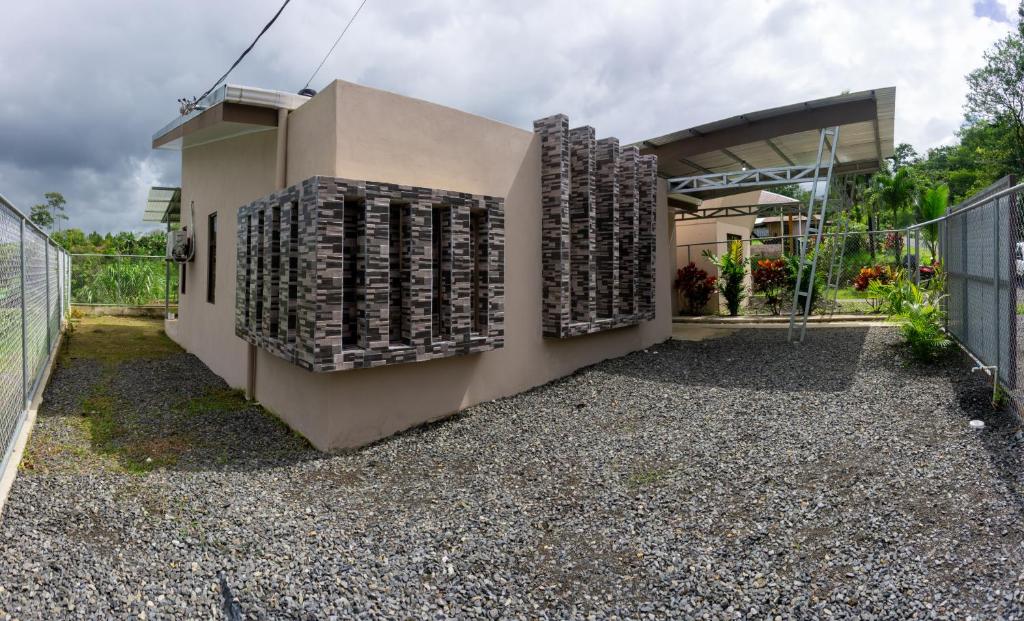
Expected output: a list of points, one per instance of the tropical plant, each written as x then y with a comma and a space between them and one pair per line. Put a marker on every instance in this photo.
130, 282
731, 271
894, 294
896, 191
769, 277
695, 287
920, 318
870, 274
792, 270
894, 242
868, 280
932, 205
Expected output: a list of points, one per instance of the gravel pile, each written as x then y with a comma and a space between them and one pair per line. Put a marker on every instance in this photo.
739, 477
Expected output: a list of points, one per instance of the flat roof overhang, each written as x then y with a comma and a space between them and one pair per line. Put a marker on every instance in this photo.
227, 112
781, 138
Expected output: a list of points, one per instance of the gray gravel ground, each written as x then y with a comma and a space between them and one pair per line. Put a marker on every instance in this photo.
739, 477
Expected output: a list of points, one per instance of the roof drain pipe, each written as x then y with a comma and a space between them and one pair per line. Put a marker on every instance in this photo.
280, 180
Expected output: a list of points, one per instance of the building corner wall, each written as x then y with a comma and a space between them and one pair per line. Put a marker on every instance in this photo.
354, 132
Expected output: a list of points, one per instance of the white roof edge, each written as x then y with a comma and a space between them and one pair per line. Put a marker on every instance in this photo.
234, 93
886, 93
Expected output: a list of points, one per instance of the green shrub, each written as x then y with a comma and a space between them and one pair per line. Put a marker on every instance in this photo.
921, 327
793, 268
920, 317
895, 294
119, 281
731, 271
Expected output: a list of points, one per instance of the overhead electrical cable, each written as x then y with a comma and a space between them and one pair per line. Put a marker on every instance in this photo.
328, 55
243, 55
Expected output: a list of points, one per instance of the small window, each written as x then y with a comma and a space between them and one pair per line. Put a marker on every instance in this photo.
211, 261
181, 280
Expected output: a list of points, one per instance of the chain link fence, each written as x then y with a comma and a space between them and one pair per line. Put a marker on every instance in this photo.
123, 280
850, 252
982, 251
34, 298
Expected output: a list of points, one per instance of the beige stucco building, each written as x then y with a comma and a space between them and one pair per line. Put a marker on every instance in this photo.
248, 144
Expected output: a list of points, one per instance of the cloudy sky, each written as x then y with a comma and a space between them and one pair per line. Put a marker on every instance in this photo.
85, 84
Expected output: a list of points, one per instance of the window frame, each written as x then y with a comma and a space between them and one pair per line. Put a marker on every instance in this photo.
211, 258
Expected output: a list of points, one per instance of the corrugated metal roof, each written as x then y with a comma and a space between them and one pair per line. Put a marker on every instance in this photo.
163, 204
766, 138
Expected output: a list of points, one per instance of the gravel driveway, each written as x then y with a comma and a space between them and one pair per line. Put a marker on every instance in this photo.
736, 477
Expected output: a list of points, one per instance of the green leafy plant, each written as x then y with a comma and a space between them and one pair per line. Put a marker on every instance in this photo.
815, 288
731, 269
921, 326
932, 205
919, 315
895, 294
695, 287
121, 281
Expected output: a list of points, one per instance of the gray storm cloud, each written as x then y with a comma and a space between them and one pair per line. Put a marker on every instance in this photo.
85, 85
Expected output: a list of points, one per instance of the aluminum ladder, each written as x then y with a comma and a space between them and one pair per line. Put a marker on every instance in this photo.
835, 265
804, 289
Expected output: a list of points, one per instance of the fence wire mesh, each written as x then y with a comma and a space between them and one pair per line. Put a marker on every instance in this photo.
33, 300
983, 256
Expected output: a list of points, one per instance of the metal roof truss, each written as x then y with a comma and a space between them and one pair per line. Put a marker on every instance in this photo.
754, 177
760, 211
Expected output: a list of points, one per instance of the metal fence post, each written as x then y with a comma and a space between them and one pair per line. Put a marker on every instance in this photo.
995, 292
24, 323
965, 265
60, 289
46, 275
917, 255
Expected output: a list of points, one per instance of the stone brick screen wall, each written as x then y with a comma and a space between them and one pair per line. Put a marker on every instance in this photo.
598, 245
337, 274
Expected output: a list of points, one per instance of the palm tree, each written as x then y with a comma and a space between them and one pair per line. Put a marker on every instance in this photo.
872, 196
932, 205
896, 192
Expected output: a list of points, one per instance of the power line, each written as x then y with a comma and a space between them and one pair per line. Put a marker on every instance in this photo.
352, 19
243, 55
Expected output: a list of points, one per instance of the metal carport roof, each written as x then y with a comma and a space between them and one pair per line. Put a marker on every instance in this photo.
782, 137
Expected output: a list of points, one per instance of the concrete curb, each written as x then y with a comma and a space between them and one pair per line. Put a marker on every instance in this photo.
715, 320
10, 471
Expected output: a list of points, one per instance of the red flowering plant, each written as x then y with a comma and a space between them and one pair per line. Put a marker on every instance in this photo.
695, 287
769, 278
894, 242
879, 274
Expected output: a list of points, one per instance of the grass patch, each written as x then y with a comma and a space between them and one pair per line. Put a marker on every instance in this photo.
217, 400
101, 431
112, 340
109, 435
648, 477
107, 431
